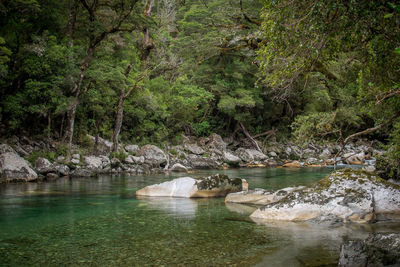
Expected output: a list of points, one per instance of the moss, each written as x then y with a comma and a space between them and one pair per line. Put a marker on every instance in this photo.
119, 155
50, 155
218, 181
173, 152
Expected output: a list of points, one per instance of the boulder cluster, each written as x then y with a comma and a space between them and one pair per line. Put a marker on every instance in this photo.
211, 152
344, 196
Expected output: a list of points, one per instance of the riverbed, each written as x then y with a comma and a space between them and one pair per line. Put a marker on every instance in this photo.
100, 222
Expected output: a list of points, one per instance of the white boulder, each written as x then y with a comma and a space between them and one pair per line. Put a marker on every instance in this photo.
349, 195
212, 186
13, 167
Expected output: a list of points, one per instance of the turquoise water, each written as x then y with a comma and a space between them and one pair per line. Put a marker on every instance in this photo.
100, 222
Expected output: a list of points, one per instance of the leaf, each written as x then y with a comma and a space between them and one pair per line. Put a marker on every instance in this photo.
397, 50
388, 16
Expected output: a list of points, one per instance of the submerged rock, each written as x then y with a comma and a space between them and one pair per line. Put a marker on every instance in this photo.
376, 250
212, 186
292, 164
260, 196
349, 195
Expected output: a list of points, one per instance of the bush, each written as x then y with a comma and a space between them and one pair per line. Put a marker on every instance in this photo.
387, 168
50, 155
121, 156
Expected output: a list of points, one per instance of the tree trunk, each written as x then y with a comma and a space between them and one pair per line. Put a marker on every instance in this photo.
118, 120
69, 132
75, 101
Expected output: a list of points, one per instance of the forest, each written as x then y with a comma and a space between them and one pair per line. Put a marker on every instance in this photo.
144, 72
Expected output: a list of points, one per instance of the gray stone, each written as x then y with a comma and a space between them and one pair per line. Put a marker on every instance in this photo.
115, 162
369, 168
42, 164
352, 254
15, 168
75, 161
230, 158
4, 148
153, 155
380, 249
133, 149
260, 196
177, 167
20, 150
129, 159
76, 156
93, 162
250, 155
200, 162
272, 154
312, 161
326, 154
82, 172
194, 149
216, 142
61, 169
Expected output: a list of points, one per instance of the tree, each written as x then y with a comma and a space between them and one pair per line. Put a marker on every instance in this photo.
103, 19
342, 51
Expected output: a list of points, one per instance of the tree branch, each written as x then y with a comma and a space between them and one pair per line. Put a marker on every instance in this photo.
249, 136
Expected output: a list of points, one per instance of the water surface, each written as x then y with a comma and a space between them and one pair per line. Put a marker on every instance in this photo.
100, 222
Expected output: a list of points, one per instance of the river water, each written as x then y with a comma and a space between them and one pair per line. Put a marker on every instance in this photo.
100, 222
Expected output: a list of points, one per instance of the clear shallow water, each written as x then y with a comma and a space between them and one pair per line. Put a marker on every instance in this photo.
100, 222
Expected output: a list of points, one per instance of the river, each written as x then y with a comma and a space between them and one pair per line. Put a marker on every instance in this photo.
100, 222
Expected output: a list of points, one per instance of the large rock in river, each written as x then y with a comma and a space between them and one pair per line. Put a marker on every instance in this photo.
213, 186
347, 195
13, 167
260, 196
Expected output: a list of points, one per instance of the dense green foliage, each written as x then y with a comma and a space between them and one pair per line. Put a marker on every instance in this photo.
316, 69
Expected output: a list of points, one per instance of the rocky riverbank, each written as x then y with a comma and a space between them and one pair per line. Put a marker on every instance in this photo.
211, 152
344, 196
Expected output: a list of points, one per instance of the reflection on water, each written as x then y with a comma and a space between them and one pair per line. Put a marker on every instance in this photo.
176, 207
100, 222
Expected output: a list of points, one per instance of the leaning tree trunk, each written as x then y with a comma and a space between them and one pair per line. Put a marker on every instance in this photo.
118, 120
